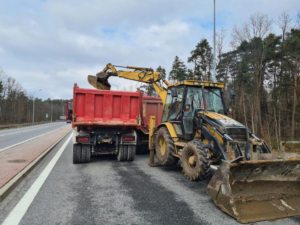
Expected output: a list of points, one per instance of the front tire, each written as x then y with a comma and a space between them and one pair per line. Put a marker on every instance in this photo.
195, 160
165, 148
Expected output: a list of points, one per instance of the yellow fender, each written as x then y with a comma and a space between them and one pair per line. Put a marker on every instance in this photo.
170, 129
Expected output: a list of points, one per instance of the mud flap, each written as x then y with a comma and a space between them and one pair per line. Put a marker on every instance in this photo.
265, 190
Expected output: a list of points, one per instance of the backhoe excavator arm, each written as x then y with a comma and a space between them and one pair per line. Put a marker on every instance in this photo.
145, 75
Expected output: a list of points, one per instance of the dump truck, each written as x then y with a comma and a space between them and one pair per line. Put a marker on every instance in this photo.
111, 122
251, 183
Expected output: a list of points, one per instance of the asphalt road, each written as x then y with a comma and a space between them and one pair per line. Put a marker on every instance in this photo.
109, 192
10, 137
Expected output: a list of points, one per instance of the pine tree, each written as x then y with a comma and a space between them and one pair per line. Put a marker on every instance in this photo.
179, 71
162, 72
202, 58
293, 48
148, 89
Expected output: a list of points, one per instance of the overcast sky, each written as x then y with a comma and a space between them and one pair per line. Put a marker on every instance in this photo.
51, 45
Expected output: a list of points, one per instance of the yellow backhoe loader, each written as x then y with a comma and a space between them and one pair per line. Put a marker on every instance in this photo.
251, 183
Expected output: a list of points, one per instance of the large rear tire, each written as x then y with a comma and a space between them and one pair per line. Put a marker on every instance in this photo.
86, 153
131, 152
165, 148
195, 160
122, 154
77, 153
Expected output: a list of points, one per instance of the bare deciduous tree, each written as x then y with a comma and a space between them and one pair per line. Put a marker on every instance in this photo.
259, 25
220, 42
297, 21
284, 22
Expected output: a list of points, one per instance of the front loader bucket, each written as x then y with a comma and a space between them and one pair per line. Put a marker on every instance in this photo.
254, 191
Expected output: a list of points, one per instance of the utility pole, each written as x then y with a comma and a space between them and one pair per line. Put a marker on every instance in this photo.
214, 71
33, 106
51, 109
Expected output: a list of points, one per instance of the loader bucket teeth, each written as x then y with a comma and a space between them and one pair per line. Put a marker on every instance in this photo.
99, 83
265, 190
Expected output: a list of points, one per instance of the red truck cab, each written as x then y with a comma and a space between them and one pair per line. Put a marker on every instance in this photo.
69, 111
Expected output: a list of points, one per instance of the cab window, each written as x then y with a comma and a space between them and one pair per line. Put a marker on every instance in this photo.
175, 112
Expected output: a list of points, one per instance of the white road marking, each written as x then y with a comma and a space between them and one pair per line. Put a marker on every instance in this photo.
23, 131
14, 145
26, 127
21, 208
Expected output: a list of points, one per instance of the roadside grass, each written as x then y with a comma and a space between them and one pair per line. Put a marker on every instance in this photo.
289, 147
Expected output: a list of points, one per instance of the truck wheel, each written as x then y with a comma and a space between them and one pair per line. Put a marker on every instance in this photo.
76, 153
131, 152
195, 160
86, 153
165, 148
122, 154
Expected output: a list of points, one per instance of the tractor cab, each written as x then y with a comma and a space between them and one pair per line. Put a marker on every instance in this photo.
185, 98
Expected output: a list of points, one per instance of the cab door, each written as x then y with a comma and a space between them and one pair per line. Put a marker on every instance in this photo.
173, 109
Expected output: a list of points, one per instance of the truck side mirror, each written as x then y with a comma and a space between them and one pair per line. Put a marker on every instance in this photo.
229, 110
232, 94
174, 93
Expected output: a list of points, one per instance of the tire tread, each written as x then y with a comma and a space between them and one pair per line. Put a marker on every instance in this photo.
201, 150
168, 159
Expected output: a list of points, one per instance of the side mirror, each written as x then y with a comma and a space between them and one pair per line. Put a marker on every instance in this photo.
229, 110
187, 107
174, 93
232, 94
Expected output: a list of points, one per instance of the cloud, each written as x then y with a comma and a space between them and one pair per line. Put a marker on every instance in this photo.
54, 44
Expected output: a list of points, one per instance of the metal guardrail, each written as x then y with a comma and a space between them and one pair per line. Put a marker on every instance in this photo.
22, 124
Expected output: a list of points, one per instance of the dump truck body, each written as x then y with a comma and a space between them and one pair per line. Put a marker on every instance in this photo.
112, 122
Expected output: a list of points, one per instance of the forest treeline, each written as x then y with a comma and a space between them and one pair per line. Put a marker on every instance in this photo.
262, 67
16, 105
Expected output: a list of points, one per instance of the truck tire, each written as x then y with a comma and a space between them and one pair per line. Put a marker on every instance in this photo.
131, 152
195, 160
122, 154
165, 148
77, 153
86, 153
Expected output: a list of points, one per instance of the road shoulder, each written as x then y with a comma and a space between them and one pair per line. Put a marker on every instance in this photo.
16, 162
